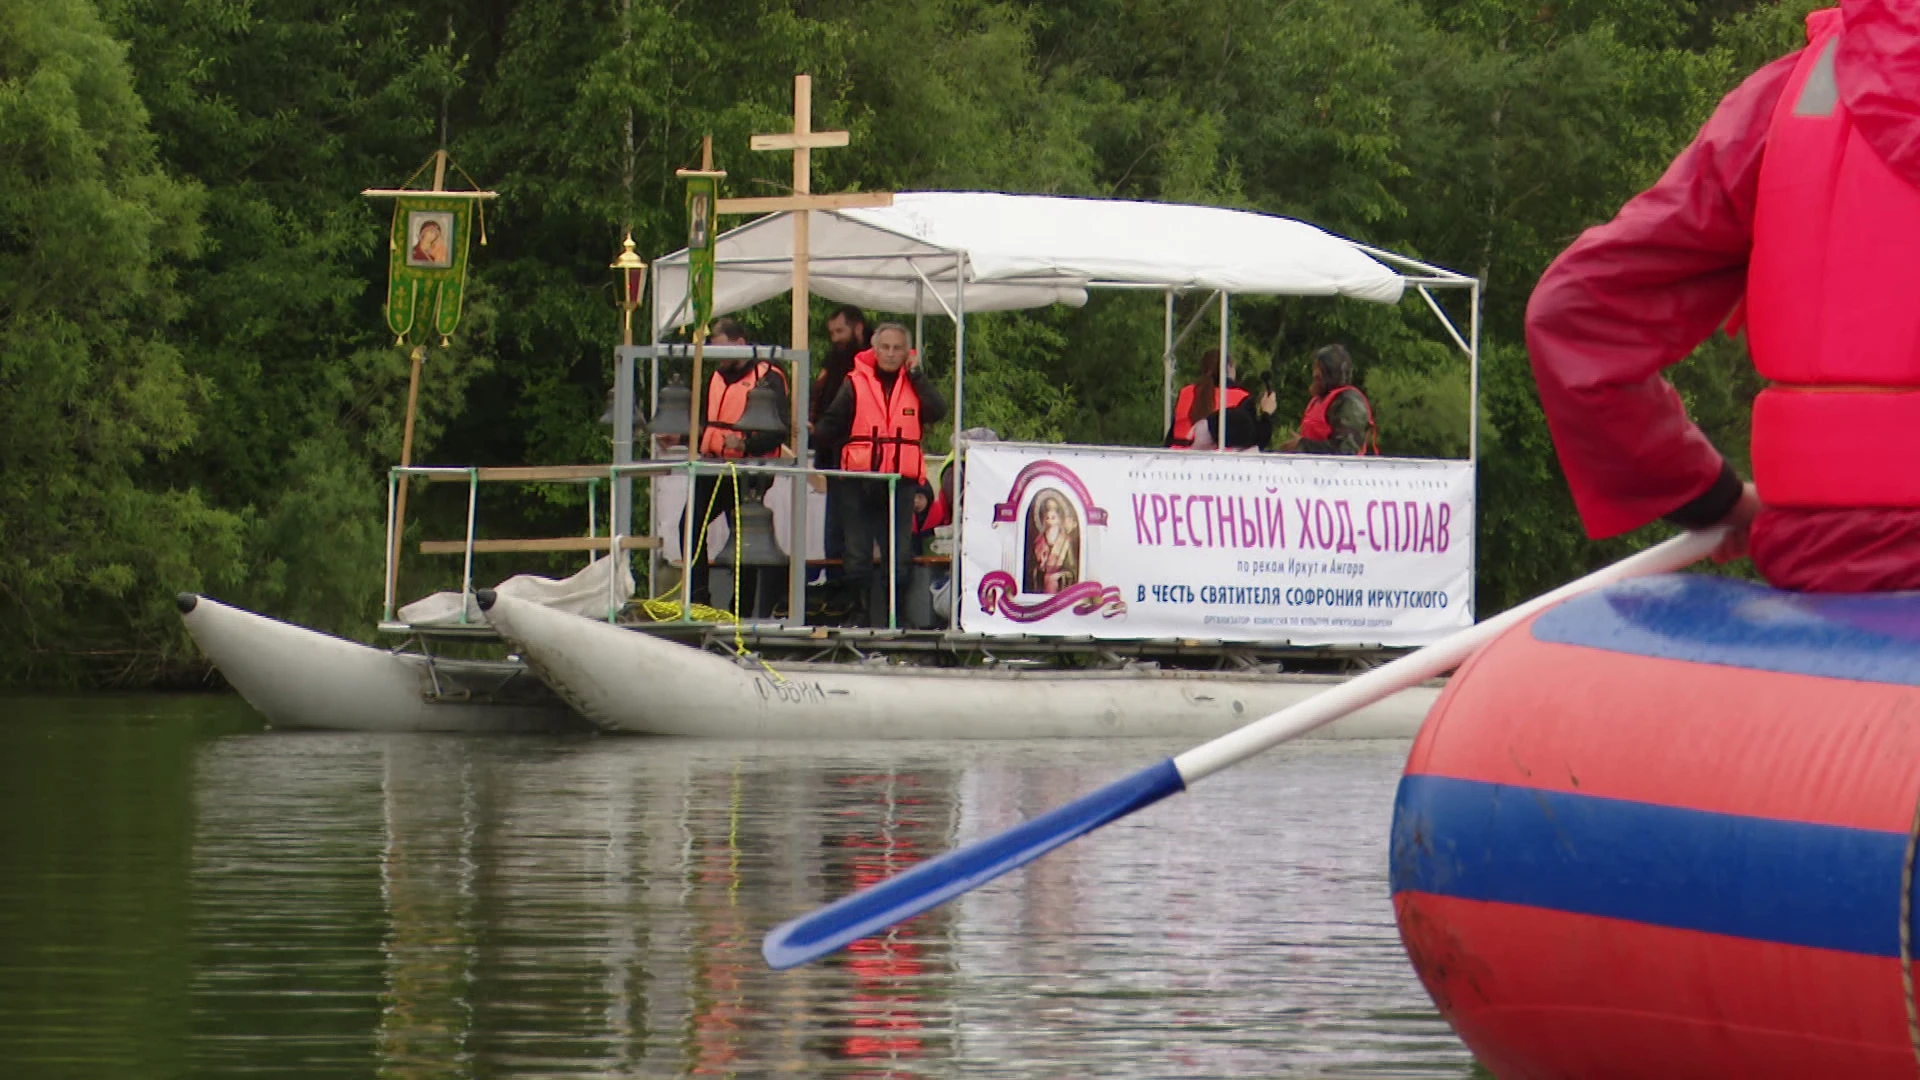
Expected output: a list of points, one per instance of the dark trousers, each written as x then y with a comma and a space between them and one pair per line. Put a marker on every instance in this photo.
833, 534
863, 516
704, 493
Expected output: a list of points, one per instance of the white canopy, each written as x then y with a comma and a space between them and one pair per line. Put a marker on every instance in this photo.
1024, 251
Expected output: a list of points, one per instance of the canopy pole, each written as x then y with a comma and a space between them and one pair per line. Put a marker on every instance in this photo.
959, 463
1220, 403
1473, 442
919, 316
1473, 374
1166, 361
959, 339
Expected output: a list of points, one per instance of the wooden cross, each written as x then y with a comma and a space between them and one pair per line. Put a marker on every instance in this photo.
802, 140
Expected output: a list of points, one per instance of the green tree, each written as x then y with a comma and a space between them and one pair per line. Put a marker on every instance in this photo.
95, 398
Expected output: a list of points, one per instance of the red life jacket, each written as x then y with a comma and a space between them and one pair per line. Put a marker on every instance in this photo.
1182, 437
885, 436
937, 513
1832, 319
1314, 425
725, 402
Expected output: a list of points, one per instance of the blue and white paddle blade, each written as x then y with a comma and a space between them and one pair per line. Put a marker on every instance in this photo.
932, 883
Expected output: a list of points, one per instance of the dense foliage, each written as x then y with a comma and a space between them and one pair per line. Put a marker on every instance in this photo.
197, 392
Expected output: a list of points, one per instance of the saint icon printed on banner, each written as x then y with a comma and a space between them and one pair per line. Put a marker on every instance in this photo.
697, 223
1053, 543
429, 235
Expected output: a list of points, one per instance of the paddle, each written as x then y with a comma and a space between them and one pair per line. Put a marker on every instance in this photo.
931, 883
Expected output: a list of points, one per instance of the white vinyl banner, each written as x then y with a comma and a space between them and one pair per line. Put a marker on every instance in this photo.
1124, 543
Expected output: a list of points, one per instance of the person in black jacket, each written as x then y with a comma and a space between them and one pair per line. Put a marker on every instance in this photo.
846, 338
1196, 424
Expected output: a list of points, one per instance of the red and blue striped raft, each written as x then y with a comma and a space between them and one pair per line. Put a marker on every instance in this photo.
1661, 830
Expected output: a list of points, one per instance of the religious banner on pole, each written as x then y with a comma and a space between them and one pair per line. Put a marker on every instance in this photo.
703, 200
427, 248
427, 265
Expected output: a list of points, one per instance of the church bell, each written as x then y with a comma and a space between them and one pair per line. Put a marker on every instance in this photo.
675, 413
762, 411
754, 535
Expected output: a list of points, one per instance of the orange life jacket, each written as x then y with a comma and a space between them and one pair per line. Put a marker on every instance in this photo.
1182, 437
1314, 425
725, 402
885, 436
1830, 311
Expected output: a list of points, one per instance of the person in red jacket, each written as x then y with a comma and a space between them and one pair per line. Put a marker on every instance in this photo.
1792, 214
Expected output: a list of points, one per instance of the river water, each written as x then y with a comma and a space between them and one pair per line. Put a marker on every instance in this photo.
183, 893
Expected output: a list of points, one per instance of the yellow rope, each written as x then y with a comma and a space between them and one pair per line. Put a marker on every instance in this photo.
666, 606
661, 609
739, 645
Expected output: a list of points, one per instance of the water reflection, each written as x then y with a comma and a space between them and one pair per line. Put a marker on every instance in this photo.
888, 826
419, 906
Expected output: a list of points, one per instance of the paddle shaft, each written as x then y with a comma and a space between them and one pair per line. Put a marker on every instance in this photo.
931, 883
1423, 664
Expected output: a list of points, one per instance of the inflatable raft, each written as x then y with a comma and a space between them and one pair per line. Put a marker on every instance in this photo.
1664, 830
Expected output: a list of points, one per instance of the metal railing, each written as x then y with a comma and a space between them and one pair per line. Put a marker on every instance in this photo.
617, 543
797, 532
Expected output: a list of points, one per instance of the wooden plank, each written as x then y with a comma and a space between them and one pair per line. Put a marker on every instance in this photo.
558, 543
527, 474
400, 193
812, 140
775, 204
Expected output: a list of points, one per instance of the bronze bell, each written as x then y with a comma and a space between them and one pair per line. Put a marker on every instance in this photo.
762, 411
754, 534
674, 413
639, 418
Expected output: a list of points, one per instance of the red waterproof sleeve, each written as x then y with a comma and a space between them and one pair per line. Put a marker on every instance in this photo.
1636, 295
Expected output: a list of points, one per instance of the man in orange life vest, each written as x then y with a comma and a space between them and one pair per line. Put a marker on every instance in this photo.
1794, 211
1197, 412
877, 419
1339, 418
724, 399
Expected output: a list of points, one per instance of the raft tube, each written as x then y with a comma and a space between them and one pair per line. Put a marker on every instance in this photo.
302, 679
1662, 830
633, 682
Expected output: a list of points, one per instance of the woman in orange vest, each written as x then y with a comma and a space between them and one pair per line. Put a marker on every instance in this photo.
1197, 410
1339, 418
713, 496
877, 419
